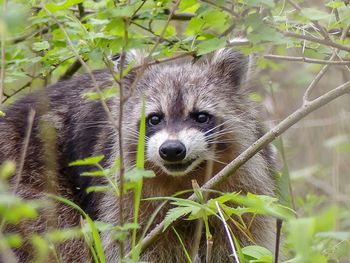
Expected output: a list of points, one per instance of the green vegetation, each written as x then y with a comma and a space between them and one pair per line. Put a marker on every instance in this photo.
44, 41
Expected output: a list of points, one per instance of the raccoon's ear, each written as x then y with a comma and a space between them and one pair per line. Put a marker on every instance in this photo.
134, 57
230, 64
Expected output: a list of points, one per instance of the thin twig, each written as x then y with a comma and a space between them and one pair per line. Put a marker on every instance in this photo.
322, 71
278, 238
146, 62
3, 57
222, 7
86, 67
307, 60
29, 83
72, 69
209, 252
317, 40
24, 149
321, 29
233, 166
120, 134
199, 224
228, 234
27, 36
318, 77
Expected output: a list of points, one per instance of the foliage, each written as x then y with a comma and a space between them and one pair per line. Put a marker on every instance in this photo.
42, 39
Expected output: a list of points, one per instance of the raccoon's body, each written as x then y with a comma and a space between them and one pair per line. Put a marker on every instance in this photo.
195, 112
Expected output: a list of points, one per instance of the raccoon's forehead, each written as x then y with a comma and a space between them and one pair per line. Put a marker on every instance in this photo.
181, 89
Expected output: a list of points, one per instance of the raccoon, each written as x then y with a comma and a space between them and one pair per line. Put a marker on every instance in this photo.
196, 112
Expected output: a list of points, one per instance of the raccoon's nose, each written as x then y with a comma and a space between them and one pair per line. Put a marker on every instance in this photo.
172, 151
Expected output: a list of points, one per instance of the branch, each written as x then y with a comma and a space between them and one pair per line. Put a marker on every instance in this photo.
233, 166
323, 70
30, 121
86, 67
222, 7
317, 40
307, 60
3, 57
73, 68
27, 36
322, 30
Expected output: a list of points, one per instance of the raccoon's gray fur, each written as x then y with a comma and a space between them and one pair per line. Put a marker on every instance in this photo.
192, 104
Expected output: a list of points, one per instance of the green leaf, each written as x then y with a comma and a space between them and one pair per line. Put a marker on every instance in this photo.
337, 235
62, 6
98, 189
183, 246
215, 19
88, 161
194, 26
140, 156
335, 141
13, 240
7, 169
314, 14
256, 97
265, 205
302, 242
2, 114
95, 234
210, 45
258, 254
267, 3
39, 46
335, 4
93, 174
186, 4
174, 214
136, 174
106, 94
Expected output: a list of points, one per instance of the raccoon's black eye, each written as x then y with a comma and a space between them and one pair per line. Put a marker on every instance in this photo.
154, 119
202, 117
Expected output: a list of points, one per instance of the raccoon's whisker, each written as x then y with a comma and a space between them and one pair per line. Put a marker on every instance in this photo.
215, 160
217, 126
218, 134
222, 141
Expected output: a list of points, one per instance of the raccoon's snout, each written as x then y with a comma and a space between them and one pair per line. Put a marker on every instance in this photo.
172, 151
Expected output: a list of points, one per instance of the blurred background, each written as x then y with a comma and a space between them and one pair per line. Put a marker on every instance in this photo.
316, 149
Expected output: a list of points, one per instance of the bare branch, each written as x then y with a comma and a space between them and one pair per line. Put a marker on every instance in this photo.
31, 116
86, 67
322, 71
3, 58
27, 36
222, 7
317, 40
317, 79
144, 66
73, 68
321, 29
307, 60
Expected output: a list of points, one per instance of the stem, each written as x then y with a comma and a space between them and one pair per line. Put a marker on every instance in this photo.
120, 134
317, 40
24, 149
278, 238
307, 60
3, 58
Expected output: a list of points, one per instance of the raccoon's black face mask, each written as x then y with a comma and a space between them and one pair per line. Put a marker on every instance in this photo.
189, 108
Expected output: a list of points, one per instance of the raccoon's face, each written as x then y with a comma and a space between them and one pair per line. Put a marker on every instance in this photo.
178, 144
186, 105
